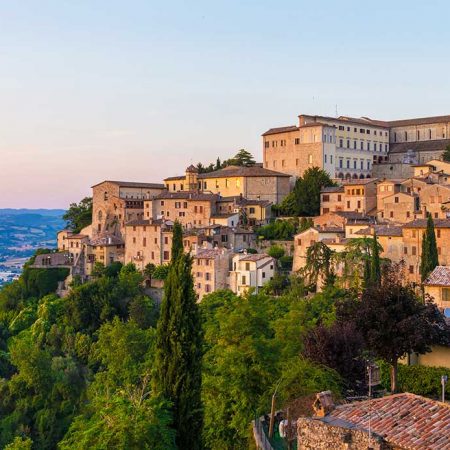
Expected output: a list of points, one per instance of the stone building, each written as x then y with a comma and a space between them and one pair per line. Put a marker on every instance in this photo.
395, 422
348, 147
210, 269
116, 202
191, 208
252, 183
345, 147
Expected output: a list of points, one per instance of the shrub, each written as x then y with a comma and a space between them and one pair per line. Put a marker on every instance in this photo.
420, 380
276, 251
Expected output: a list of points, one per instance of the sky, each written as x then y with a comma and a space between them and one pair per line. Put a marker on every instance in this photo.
138, 90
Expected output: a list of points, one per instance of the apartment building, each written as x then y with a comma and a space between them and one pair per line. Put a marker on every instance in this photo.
348, 147
252, 183
251, 271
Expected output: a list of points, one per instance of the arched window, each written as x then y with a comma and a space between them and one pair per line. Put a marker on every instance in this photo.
105, 196
100, 215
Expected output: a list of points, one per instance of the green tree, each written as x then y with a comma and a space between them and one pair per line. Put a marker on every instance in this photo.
79, 215
179, 350
429, 257
375, 268
446, 154
318, 263
304, 200
177, 241
395, 322
242, 158
276, 251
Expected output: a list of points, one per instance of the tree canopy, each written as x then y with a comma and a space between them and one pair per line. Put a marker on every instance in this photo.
304, 200
79, 215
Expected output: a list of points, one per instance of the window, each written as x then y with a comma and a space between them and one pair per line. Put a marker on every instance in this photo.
296, 162
446, 294
326, 198
341, 127
144, 242
134, 240
395, 199
166, 255
243, 280
355, 144
325, 158
411, 269
264, 274
348, 143
438, 233
310, 158
297, 141
391, 214
252, 210
162, 202
413, 250
406, 136
405, 250
266, 144
247, 266
341, 143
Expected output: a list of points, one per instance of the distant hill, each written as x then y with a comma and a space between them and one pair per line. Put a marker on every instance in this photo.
42, 212
22, 231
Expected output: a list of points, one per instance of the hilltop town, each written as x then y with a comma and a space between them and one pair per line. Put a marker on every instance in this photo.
388, 177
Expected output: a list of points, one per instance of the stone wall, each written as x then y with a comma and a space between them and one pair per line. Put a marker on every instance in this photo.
313, 434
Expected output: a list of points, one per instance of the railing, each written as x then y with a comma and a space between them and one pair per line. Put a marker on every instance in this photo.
261, 439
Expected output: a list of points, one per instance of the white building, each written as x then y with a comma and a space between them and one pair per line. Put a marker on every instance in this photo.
251, 271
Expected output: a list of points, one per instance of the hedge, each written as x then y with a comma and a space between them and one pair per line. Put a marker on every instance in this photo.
420, 380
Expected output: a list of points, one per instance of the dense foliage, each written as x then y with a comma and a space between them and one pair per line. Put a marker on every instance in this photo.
304, 200
283, 230
105, 368
79, 215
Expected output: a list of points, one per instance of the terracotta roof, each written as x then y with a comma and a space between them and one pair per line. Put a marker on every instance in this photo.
280, 130
242, 171
143, 222
209, 253
180, 177
353, 215
192, 169
422, 223
330, 229
332, 189
77, 236
104, 241
134, 184
254, 257
316, 124
365, 121
186, 195
406, 420
419, 121
53, 260
224, 215
381, 230
439, 277
359, 181
420, 146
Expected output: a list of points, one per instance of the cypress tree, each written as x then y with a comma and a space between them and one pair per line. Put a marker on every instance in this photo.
179, 348
429, 259
177, 241
375, 268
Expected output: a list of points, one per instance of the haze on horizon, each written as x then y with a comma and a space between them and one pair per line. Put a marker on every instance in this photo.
139, 90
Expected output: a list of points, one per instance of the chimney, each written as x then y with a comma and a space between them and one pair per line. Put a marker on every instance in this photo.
323, 404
